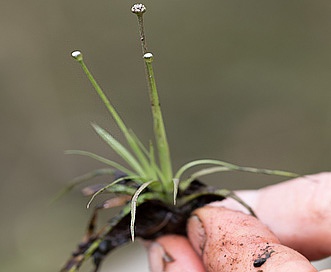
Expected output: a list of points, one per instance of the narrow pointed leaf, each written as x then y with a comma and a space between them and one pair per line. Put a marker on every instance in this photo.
108, 186
78, 180
233, 167
176, 185
143, 156
134, 205
101, 159
119, 149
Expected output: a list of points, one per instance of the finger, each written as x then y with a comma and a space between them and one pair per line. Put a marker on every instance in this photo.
232, 241
297, 211
173, 253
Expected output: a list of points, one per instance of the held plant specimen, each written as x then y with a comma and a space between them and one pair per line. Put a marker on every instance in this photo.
155, 200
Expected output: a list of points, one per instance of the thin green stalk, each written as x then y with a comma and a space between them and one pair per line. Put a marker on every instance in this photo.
77, 55
159, 129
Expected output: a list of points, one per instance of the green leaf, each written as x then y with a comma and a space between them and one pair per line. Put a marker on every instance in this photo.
119, 149
206, 171
101, 159
232, 167
78, 180
145, 157
108, 186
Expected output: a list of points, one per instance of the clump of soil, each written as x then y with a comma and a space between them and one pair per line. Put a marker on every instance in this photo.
153, 219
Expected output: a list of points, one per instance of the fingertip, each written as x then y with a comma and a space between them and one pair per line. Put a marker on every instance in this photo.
172, 253
156, 257
233, 241
197, 234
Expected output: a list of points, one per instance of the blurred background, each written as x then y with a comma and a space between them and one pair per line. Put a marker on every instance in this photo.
242, 81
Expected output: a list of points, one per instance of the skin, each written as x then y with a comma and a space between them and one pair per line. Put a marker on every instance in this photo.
294, 226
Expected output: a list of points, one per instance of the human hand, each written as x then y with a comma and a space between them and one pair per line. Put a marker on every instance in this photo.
293, 217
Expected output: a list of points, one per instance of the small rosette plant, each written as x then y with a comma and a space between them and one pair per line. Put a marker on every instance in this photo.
154, 199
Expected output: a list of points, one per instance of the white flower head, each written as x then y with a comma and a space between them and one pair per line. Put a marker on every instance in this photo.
138, 9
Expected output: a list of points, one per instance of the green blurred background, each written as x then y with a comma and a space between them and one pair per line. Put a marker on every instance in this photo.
242, 81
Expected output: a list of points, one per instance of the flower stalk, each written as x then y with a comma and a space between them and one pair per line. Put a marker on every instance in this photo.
139, 10
159, 128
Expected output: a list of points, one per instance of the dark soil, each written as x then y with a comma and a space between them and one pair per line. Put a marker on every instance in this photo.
153, 219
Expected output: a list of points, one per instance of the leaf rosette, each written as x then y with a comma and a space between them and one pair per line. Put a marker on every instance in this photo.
154, 200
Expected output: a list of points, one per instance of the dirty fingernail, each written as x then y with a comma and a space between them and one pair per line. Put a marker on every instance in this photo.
197, 233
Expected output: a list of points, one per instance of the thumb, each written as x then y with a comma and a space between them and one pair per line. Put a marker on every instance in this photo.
230, 240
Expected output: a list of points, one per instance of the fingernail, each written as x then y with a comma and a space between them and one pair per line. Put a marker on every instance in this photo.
158, 257
197, 234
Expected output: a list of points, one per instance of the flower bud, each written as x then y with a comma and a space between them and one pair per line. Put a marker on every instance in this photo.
148, 57
77, 55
